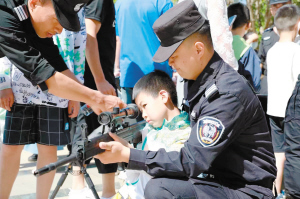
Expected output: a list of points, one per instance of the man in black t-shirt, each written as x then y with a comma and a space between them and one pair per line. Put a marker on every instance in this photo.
99, 75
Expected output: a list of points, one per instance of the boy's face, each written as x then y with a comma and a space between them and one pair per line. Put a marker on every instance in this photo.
43, 18
153, 109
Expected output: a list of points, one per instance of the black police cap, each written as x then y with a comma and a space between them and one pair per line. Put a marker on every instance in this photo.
66, 13
278, 1
174, 26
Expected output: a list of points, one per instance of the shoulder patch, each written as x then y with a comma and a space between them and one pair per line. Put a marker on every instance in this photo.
211, 91
21, 12
209, 131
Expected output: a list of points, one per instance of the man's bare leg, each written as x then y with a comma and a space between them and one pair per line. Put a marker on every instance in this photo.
108, 184
9, 166
47, 155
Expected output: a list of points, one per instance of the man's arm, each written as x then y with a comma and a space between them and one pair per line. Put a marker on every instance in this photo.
117, 71
6, 94
65, 87
93, 57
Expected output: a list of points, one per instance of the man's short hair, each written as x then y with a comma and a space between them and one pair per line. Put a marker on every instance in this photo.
242, 14
286, 17
154, 82
204, 31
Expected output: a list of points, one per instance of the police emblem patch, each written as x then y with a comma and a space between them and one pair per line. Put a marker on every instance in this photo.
210, 131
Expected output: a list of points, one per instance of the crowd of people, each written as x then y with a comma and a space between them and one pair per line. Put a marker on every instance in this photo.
221, 111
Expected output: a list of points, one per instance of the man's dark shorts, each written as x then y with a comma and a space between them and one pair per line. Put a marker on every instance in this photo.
28, 124
278, 140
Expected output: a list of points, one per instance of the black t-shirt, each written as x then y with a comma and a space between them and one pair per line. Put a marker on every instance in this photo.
104, 12
37, 58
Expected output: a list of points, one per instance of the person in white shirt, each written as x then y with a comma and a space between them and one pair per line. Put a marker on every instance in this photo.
283, 62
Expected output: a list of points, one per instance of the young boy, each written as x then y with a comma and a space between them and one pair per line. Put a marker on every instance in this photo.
242, 50
283, 61
168, 128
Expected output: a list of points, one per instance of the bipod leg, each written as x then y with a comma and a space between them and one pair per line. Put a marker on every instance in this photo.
90, 182
61, 181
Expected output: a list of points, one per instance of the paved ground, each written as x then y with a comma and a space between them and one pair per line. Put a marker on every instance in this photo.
24, 187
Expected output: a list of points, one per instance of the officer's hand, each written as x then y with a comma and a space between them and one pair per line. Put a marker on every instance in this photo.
114, 152
121, 140
106, 103
6, 98
106, 88
73, 108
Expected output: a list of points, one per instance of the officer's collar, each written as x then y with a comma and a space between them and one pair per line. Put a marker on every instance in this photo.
209, 72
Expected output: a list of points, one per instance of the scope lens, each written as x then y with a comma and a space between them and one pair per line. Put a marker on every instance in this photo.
104, 119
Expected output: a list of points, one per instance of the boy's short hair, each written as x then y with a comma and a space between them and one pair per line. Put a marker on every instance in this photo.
242, 14
154, 82
286, 17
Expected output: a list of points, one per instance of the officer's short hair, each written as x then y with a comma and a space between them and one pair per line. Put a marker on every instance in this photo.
204, 31
242, 14
154, 82
286, 17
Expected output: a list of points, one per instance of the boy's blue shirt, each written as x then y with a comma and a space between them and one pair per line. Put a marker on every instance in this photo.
134, 20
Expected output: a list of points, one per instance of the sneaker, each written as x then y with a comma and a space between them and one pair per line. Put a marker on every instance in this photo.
33, 158
279, 196
84, 193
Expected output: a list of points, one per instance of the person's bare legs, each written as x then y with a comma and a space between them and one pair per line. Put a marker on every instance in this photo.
108, 184
280, 159
78, 180
47, 155
9, 166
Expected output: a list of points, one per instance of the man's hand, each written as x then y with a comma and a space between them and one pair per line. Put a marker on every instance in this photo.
6, 98
103, 103
73, 108
114, 152
106, 88
117, 72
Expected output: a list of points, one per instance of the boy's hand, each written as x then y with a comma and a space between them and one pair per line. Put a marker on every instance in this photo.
73, 108
114, 152
6, 98
121, 140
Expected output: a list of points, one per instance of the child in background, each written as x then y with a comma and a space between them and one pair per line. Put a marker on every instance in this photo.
168, 128
283, 61
242, 50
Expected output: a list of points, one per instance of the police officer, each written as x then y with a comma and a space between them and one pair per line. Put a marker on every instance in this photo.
26, 28
269, 38
229, 153
292, 139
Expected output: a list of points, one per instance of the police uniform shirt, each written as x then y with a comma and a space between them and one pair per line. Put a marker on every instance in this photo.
269, 38
37, 58
229, 139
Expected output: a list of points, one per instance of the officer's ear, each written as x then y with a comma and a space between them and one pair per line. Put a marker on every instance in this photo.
32, 4
200, 48
164, 95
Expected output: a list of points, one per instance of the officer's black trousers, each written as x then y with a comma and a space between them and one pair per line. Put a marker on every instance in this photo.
166, 188
292, 139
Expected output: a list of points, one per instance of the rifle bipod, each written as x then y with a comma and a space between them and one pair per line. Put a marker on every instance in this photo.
65, 175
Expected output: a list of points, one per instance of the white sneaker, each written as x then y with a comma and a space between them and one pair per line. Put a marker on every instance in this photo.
84, 193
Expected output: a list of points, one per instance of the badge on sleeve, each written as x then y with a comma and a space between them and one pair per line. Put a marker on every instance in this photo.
209, 130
